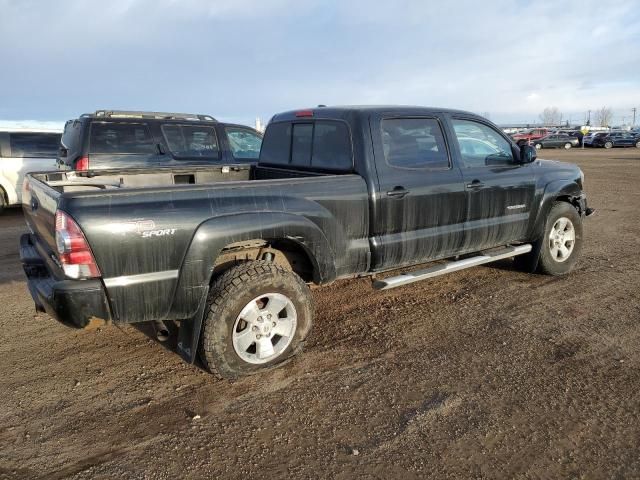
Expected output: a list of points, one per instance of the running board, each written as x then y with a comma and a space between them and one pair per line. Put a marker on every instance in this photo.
483, 257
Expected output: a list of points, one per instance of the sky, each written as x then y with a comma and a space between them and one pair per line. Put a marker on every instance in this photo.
242, 59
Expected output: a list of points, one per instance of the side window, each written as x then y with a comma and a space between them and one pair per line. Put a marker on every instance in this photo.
414, 143
191, 141
244, 143
480, 145
120, 138
24, 145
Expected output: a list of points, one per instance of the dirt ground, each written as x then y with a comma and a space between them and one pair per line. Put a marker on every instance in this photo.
484, 373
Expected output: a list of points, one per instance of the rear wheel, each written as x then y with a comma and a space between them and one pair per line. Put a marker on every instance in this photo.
567, 146
538, 146
608, 145
638, 144
259, 316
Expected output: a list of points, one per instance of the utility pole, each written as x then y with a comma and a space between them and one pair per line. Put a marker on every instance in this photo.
634, 116
589, 117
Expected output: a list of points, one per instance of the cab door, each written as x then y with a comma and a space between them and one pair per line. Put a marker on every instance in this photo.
419, 208
499, 190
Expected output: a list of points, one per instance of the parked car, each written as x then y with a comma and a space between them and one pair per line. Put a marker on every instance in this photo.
126, 139
617, 139
21, 151
556, 141
590, 138
336, 193
530, 135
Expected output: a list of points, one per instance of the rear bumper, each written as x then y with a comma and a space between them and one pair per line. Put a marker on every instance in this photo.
76, 303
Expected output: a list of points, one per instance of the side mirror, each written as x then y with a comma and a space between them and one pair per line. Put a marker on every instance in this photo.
528, 154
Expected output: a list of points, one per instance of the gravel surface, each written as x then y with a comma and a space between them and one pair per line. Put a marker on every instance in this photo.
484, 373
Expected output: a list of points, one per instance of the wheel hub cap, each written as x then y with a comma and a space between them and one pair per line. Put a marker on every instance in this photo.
264, 328
562, 239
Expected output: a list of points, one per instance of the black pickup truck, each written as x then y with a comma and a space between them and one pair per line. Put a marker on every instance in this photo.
227, 252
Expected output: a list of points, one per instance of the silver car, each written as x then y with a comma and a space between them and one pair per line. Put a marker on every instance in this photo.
23, 151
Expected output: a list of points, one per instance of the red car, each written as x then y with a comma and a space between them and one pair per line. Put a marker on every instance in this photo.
530, 135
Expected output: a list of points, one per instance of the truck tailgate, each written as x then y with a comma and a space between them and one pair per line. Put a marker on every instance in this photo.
39, 203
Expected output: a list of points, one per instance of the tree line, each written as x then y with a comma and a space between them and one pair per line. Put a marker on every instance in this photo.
553, 116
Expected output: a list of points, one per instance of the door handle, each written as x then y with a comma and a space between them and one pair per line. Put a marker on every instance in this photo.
475, 184
397, 192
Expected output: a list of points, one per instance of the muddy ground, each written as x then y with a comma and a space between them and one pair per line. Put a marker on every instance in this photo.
485, 373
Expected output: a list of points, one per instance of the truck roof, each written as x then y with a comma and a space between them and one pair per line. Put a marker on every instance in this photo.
348, 111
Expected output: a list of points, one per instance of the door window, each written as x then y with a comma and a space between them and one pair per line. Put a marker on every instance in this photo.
244, 143
481, 145
414, 143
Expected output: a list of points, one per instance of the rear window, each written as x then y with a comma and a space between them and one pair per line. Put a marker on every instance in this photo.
121, 138
191, 141
71, 135
34, 144
323, 145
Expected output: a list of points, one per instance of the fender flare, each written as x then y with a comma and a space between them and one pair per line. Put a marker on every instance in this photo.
554, 190
192, 289
213, 235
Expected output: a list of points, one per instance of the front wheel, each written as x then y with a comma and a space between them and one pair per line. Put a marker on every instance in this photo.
567, 146
538, 146
562, 240
557, 251
638, 144
608, 145
259, 315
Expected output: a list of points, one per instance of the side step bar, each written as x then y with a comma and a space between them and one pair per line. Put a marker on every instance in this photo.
483, 257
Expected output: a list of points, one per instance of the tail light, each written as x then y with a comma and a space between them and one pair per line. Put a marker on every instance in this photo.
82, 164
73, 250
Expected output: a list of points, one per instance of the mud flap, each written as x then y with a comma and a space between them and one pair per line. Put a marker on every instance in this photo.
189, 333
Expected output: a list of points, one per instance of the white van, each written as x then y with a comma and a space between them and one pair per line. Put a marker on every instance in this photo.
22, 151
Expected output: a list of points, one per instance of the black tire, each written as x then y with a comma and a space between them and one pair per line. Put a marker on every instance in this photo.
3, 200
540, 258
230, 293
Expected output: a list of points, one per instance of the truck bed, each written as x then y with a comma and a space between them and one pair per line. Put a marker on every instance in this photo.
155, 234
71, 181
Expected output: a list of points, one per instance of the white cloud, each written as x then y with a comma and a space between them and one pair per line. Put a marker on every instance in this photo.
242, 58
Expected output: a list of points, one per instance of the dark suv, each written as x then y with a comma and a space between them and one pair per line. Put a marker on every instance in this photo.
617, 139
126, 139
